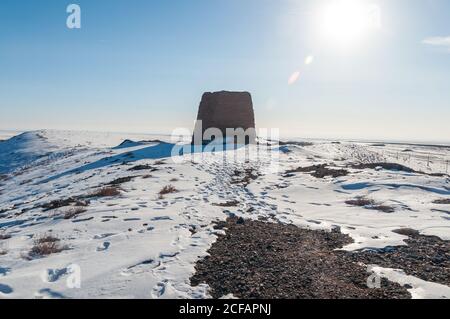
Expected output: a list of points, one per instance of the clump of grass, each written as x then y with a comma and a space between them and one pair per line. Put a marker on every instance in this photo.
442, 201
143, 167
121, 180
370, 204
106, 192
58, 203
46, 245
4, 236
232, 203
73, 212
167, 190
360, 201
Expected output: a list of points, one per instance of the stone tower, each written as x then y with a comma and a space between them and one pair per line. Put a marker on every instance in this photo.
222, 111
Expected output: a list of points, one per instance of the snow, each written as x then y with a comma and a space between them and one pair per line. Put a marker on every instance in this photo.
137, 245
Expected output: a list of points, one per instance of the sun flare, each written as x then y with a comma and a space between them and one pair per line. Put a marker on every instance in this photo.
345, 22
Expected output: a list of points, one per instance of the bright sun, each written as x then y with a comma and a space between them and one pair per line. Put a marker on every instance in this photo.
345, 22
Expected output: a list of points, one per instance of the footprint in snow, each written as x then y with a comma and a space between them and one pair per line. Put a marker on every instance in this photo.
101, 236
104, 246
5, 289
160, 218
52, 275
47, 293
159, 289
4, 271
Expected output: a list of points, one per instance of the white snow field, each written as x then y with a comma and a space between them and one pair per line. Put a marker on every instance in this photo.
139, 245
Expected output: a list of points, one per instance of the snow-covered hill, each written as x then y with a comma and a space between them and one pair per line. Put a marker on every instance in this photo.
102, 206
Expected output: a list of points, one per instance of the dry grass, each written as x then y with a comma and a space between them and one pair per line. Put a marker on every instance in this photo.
4, 236
319, 171
106, 192
121, 180
167, 190
244, 177
143, 167
46, 245
73, 212
232, 203
369, 204
360, 201
64, 203
442, 201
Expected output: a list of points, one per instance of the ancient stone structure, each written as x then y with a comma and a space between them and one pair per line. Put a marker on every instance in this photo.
228, 113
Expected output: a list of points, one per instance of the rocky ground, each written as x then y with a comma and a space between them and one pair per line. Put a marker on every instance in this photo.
425, 257
256, 259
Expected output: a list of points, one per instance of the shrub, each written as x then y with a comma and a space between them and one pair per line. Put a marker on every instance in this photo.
370, 204
45, 245
63, 203
360, 201
106, 192
121, 180
167, 190
73, 212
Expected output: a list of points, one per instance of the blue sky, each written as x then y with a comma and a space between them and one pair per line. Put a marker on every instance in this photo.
142, 66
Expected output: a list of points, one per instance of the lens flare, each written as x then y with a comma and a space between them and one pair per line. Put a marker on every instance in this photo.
309, 59
294, 77
345, 22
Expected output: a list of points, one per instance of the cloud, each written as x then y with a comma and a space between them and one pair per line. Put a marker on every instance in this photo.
438, 41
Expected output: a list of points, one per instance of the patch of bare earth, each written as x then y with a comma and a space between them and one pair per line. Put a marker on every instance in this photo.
256, 259
424, 257
318, 171
394, 167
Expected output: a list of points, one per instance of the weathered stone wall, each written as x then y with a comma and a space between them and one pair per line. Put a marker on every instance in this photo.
224, 110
